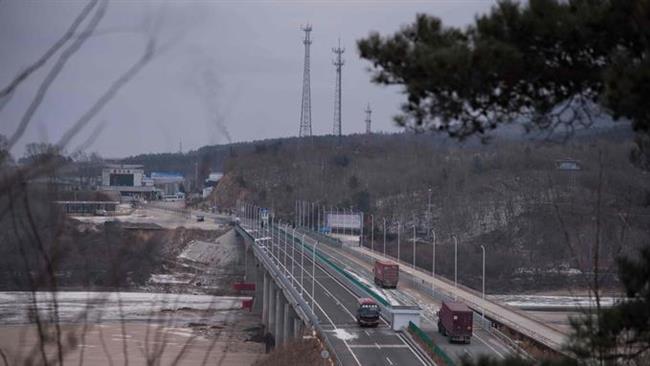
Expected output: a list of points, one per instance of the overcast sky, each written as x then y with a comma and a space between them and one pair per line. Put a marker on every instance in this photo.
234, 71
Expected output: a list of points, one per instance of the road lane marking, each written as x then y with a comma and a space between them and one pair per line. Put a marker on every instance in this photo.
389, 361
379, 346
489, 346
412, 350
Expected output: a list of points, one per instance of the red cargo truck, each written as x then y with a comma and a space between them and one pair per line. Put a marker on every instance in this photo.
386, 274
455, 321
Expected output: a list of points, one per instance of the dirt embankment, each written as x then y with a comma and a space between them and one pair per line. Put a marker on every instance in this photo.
104, 256
305, 352
208, 265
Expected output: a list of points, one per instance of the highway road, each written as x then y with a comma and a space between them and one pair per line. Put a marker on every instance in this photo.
504, 314
483, 343
336, 305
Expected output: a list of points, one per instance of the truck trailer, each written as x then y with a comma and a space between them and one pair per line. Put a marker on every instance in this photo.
386, 274
455, 321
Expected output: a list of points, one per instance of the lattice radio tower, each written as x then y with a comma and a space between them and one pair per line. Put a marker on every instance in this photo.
305, 110
338, 62
368, 121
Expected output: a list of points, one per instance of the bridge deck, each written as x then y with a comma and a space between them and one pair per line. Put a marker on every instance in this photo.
336, 305
504, 314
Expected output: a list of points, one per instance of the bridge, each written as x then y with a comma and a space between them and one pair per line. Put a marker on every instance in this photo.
307, 284
300, 292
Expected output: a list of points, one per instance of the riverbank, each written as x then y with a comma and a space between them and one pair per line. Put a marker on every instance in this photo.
103, 328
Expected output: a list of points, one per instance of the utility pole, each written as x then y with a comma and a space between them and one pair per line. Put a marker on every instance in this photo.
483, 296
429, 211
338, 62
368, 121
455, 267
433, 266
413, 246
372, 233
398, 253
305, 110
384, 237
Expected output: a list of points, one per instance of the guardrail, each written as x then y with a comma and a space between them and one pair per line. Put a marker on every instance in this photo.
486, 324
431, 347
344, 273
322, 237
291, 292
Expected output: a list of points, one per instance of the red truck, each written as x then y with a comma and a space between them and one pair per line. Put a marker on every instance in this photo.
455, 321
386, 274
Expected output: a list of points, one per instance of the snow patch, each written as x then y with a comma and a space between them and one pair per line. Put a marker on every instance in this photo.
378, 291
343, 334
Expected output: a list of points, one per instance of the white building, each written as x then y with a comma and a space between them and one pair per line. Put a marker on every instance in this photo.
127, 179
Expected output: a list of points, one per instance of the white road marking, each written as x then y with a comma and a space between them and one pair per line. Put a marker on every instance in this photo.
328, 318
389, 361
412, 350
489, 346
379, 346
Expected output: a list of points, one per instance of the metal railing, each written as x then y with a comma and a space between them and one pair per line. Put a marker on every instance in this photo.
290, 291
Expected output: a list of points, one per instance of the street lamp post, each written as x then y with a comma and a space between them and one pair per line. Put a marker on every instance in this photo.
293, 256
313, 276
398, 251
302, 263
384, 237
482, 306
429, 209
269, 231
413, 246
433, 268
372, 234
455, 265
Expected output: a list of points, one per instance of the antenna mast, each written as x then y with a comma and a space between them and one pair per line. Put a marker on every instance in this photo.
305, 110
368, 121
338, 62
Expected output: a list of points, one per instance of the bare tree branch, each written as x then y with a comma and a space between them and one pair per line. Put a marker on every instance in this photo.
109, 94
55, 71
8, 90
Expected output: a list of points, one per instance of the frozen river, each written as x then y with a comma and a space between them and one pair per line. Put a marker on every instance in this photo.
73, 306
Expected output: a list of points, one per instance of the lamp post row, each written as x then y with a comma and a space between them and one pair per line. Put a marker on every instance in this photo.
252, 217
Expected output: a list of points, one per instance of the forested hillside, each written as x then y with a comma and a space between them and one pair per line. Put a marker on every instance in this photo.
538, 222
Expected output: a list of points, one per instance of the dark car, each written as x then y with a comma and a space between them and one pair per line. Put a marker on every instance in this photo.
368, 312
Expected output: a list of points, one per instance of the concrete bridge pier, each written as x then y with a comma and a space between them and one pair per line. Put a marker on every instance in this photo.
266, 289
280, 304
287, 328
298, 327
270, 327
260, 283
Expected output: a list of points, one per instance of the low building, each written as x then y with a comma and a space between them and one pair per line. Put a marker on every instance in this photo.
213, 179
168, 183
206, 191
129, 180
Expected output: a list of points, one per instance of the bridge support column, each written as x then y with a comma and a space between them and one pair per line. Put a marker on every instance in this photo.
265, 299
260, 284
289, 317
270, 327
297, 328
280, 303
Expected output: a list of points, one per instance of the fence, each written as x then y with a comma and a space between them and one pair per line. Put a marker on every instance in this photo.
434, 351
